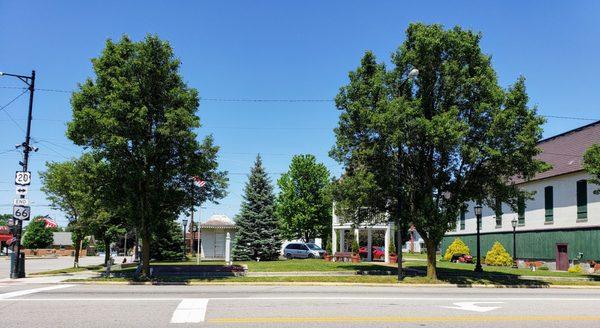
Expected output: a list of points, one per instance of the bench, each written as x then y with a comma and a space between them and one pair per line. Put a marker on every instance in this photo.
343, 256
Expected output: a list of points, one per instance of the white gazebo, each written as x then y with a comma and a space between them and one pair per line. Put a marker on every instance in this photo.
342, 227
214, 237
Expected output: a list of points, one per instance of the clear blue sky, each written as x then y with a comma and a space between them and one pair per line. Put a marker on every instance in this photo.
277, 50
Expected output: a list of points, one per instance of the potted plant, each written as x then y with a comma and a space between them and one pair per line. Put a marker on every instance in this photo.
392, 251
329, 255
355, 254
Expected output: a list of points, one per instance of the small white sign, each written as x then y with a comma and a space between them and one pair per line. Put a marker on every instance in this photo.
22, 178
21, 201
21, 190
21, 212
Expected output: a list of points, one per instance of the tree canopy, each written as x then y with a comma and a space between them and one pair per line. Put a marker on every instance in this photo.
140, 116
419, 149
304, 200
591, 162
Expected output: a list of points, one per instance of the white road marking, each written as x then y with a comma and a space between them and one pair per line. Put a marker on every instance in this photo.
471, 306
190, 310
31, 291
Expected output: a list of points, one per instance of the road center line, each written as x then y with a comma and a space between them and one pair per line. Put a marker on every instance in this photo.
31, 291
190, 310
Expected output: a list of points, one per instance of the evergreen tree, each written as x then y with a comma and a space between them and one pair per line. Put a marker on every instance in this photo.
258, 234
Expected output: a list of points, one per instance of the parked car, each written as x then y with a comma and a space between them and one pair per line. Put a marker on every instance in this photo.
378, 252
303, 251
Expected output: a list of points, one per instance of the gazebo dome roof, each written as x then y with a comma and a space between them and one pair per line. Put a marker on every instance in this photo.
218, 220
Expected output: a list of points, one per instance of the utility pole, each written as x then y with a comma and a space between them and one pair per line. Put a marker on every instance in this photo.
30, 81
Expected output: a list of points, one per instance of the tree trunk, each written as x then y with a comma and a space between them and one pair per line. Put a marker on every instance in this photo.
146, 255
77, 250
431, 263
106, 252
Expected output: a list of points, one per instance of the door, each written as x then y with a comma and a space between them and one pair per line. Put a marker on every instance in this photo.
562, 257
219, 245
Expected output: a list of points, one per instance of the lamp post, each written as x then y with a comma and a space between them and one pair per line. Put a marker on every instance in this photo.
478, 267
30, 81
412, 74
184, 223
514, 226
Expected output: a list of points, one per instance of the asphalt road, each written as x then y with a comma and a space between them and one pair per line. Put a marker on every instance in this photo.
63, 305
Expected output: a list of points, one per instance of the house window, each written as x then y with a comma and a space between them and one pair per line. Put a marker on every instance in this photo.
549, 203
582, 199
462, 217
498, 212
521, 209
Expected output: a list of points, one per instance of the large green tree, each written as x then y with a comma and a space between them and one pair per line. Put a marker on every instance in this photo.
304, 201
140, 116
258, 234
73, 187
424, 147
591, 162
37, 235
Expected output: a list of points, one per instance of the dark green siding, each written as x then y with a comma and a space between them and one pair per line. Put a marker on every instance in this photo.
537, 244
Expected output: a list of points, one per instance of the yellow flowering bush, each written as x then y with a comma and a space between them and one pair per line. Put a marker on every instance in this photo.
457, 247
498, 256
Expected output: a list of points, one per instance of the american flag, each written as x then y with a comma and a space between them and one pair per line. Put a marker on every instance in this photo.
49, 222
199, 182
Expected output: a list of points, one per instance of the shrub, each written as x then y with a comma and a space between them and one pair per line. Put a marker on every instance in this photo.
392, 248
355, 247
457, 247
543, 268
498, 256
575, 269
328, 247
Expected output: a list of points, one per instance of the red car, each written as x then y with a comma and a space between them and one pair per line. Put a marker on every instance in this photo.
378, 252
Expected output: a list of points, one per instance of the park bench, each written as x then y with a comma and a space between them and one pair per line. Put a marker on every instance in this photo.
342, 256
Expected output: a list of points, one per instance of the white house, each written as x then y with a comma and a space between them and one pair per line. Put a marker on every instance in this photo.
214, 234
560, 223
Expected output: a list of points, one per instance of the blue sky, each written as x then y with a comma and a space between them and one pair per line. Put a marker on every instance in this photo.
277, 50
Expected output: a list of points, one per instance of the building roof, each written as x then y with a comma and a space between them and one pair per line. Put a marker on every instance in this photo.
62, 239
565, 151
218, 221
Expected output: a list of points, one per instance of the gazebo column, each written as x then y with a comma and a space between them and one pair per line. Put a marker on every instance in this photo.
387, 242
369, 245
342, 246
334, 241
356, 236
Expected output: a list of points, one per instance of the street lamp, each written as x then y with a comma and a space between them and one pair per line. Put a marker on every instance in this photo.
412, 74
478, 267
184, 223
514, 225
17, 270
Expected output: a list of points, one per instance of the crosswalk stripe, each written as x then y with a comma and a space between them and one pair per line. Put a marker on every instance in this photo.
190, 310
31, 291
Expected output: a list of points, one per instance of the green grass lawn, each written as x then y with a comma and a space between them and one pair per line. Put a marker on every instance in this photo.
454, 273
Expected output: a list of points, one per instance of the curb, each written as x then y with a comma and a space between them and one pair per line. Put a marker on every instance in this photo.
397, 285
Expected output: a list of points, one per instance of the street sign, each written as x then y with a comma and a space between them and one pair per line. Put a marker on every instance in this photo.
22, 178
21, 201
21, 212
21, 190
